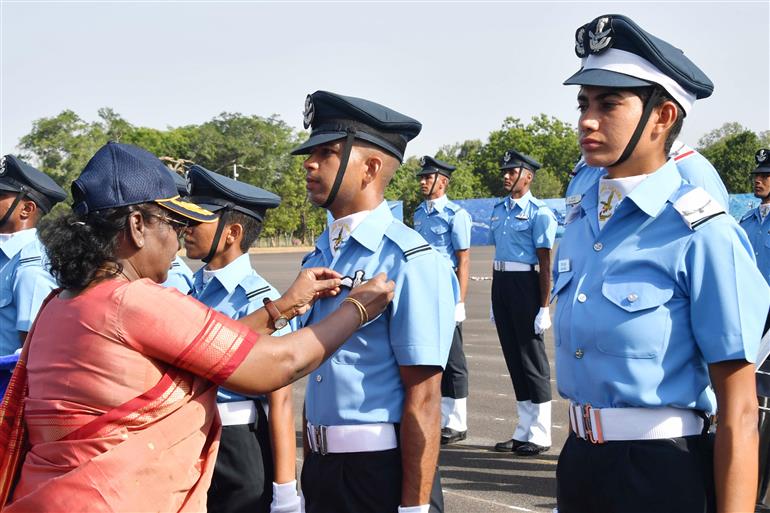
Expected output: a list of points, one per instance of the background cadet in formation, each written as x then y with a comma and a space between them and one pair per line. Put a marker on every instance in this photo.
373, 409
447, 228
256, 462
755, 224
658, 299
180, 276
26, 195
523, 230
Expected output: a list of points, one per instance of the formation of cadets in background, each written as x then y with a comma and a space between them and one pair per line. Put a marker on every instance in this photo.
656, 288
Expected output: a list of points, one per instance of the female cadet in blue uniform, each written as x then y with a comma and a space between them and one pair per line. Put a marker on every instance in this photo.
658, 300
26, 195
257, 453
523, 230
373, 408
447, 228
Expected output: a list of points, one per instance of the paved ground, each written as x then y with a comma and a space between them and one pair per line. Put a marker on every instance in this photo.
475, 478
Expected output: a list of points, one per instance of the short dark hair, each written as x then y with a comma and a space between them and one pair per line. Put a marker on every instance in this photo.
77, 247
251, 228
644, 94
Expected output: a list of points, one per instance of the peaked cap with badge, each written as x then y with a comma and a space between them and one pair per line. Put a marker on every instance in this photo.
215, 192
16, 176
762, 159
512, 159
332, 117
616, 52
120, 174
430, 165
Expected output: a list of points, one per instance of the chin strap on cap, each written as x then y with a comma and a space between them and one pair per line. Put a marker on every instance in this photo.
648, 106
19, 197
343, 166
225, 212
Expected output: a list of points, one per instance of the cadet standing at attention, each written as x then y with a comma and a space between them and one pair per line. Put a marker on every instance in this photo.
660, 306
447, 228
257, 456
523, 231
755, 222
26, 195
180, 276
373, 409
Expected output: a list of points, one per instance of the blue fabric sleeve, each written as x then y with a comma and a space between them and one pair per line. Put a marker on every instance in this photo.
544, 228
31, 286
461, 230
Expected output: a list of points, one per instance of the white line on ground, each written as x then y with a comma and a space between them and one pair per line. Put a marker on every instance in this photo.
485, 501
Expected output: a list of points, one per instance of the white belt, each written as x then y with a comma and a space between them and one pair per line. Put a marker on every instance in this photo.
237, 413
600, 425
502, 265
351, 438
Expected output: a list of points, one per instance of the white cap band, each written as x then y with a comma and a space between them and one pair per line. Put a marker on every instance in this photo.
631, 64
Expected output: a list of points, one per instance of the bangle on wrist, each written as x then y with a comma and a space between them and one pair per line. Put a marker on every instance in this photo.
363, 316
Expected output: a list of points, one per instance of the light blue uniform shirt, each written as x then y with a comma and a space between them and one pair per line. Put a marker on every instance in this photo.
519, 227
758, 231
24, 284
447, 228
236, 290
694, 168
645, 304
361, 382
180, 276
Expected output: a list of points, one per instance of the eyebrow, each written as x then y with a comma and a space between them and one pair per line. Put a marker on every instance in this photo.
603, 96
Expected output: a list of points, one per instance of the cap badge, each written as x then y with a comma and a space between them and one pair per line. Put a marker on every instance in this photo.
762, 156
2, 165
422, 161
507, 157
599, 41
307, 116
580, 49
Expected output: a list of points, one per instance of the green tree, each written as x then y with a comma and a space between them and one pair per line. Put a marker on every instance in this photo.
731, 150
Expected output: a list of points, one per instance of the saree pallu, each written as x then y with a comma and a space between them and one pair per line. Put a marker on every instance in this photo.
155, 451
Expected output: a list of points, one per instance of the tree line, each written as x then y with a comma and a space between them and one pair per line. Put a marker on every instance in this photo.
258, 148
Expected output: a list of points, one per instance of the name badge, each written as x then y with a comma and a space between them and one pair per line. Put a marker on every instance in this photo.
573, 200
563, 266
522, 217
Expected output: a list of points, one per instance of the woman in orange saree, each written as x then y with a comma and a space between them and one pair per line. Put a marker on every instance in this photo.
112, 405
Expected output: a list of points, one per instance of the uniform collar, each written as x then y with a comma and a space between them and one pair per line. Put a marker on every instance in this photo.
438, 203
231, 275
18, 241
371, 230
522, 202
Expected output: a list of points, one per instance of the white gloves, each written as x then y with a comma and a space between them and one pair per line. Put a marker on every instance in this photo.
425, 508
542, 321
459, 312
285, 498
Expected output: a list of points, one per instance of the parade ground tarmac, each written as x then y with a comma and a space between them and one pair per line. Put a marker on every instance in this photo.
475, 478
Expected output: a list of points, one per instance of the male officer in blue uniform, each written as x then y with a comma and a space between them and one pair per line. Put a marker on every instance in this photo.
447, 228
659, 306
523, 230
373, 409
247, 472
26, 195
180, 276
755, 222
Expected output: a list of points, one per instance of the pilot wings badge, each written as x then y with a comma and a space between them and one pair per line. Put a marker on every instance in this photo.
351, 282
599, 41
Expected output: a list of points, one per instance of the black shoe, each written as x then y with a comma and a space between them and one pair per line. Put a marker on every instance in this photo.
530, 449
509, 445
450, 436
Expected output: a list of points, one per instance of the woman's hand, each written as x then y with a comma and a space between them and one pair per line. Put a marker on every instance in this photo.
375, 294
311, 283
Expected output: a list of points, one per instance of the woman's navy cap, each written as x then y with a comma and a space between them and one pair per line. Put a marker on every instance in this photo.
332, 116
430, 166
214, 192
513, 159
18, 176
119, 175
762, 159
616, 52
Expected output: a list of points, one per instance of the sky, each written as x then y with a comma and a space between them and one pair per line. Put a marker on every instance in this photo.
460, 68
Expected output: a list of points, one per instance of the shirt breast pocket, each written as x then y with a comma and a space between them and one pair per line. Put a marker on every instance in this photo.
440, 234
521, 225
636, 323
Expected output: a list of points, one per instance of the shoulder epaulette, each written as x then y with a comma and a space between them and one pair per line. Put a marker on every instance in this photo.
454, 207
696, 206
254, 293
176, 263
500, 201
29, 260
312, 253
409, 241
680, 151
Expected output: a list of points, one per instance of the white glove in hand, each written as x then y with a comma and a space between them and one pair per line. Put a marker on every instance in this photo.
542, 321
285, 498
459, 312
425, 508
